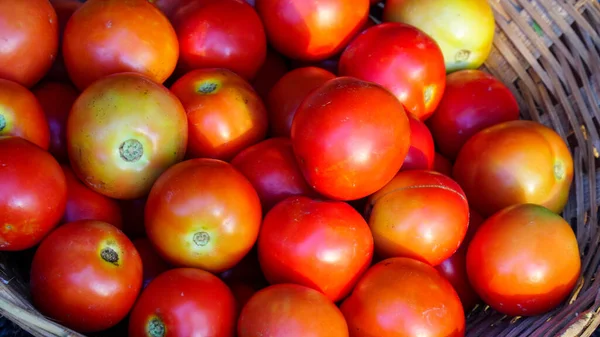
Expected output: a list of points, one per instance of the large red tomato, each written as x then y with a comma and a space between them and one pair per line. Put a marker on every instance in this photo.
473, 101
86, 275
326, 245
64, 10
312, 30
524, 260
184, 302
513, 163
274, 67
285, 310
153, 264
419, 302
404, 60
33, 194
106, 37
123, 132
220, 34
29, 35
203, 213
225, 114
350, 138
421, 153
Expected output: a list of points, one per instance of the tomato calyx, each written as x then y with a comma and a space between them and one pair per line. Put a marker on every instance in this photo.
2, 122
201, 239
110, 255
207, 87
156, 327
131, 150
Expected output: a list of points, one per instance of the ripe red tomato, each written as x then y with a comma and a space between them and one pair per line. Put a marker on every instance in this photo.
287, 95
291, 310
325, 245
29, 35
513, 163
64, 9
22, 115
442, 165
427, 302
404, 60
473, 101
132, 212
184, 302
421, 153
350, 138
153, 264
220, 34
106, 37
270, 72
420, 214
203, 213
86, 275
312, 30
56, 100
524, 260
123, 132
225, 114
33, 194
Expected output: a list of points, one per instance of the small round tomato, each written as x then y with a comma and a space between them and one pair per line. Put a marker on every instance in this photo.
153, 264
132, 212
33, 194
404, 60
524, 260
203, 213
274, 67
22, 115
421, 153
442, 165
473, 101
220, 34
325, 245
123, 132
287, 95
350, 138
64, 10
225, 114
312, 30
29, 35
184, 302
291, 310
106, 37
427, 302
513, 163
86, 275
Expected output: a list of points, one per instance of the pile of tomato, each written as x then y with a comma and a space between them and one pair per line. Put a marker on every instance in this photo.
274, 168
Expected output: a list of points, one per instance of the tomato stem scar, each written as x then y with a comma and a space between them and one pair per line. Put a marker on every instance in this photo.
2, 122
110, 255
131, 150
207, 87
156, 327
201, 238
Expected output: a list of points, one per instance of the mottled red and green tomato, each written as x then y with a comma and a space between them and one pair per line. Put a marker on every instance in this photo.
123, 132
513, 163
524, 260
225, 114
350, 138
421, 153
153, 264
274, 67
86, 275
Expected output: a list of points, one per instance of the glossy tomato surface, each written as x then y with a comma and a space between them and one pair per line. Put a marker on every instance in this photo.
404, 60
274, 67
428, 303
524, 260
421, 153
86, 275
203, 213
153, 264
512, 163
123, 132
350, 138
64, 9
225, 114
106, 37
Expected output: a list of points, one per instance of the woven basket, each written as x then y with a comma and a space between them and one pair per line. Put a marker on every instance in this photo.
548, 53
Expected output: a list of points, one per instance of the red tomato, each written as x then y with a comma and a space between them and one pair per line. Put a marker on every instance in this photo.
404, 60
123, 132
269, 73
350, 138
22, 115
153, 264
291, 310
420, 214
29, 35
473, 101
225, 114
419, 302
312, 30
64, 10
132, 212
524, 260
421, 153
220, 34
33, 194
56, 100
184, 302
288, 93
106, 37
513, 163
203, 213
442, 165
86, 275
325, 245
